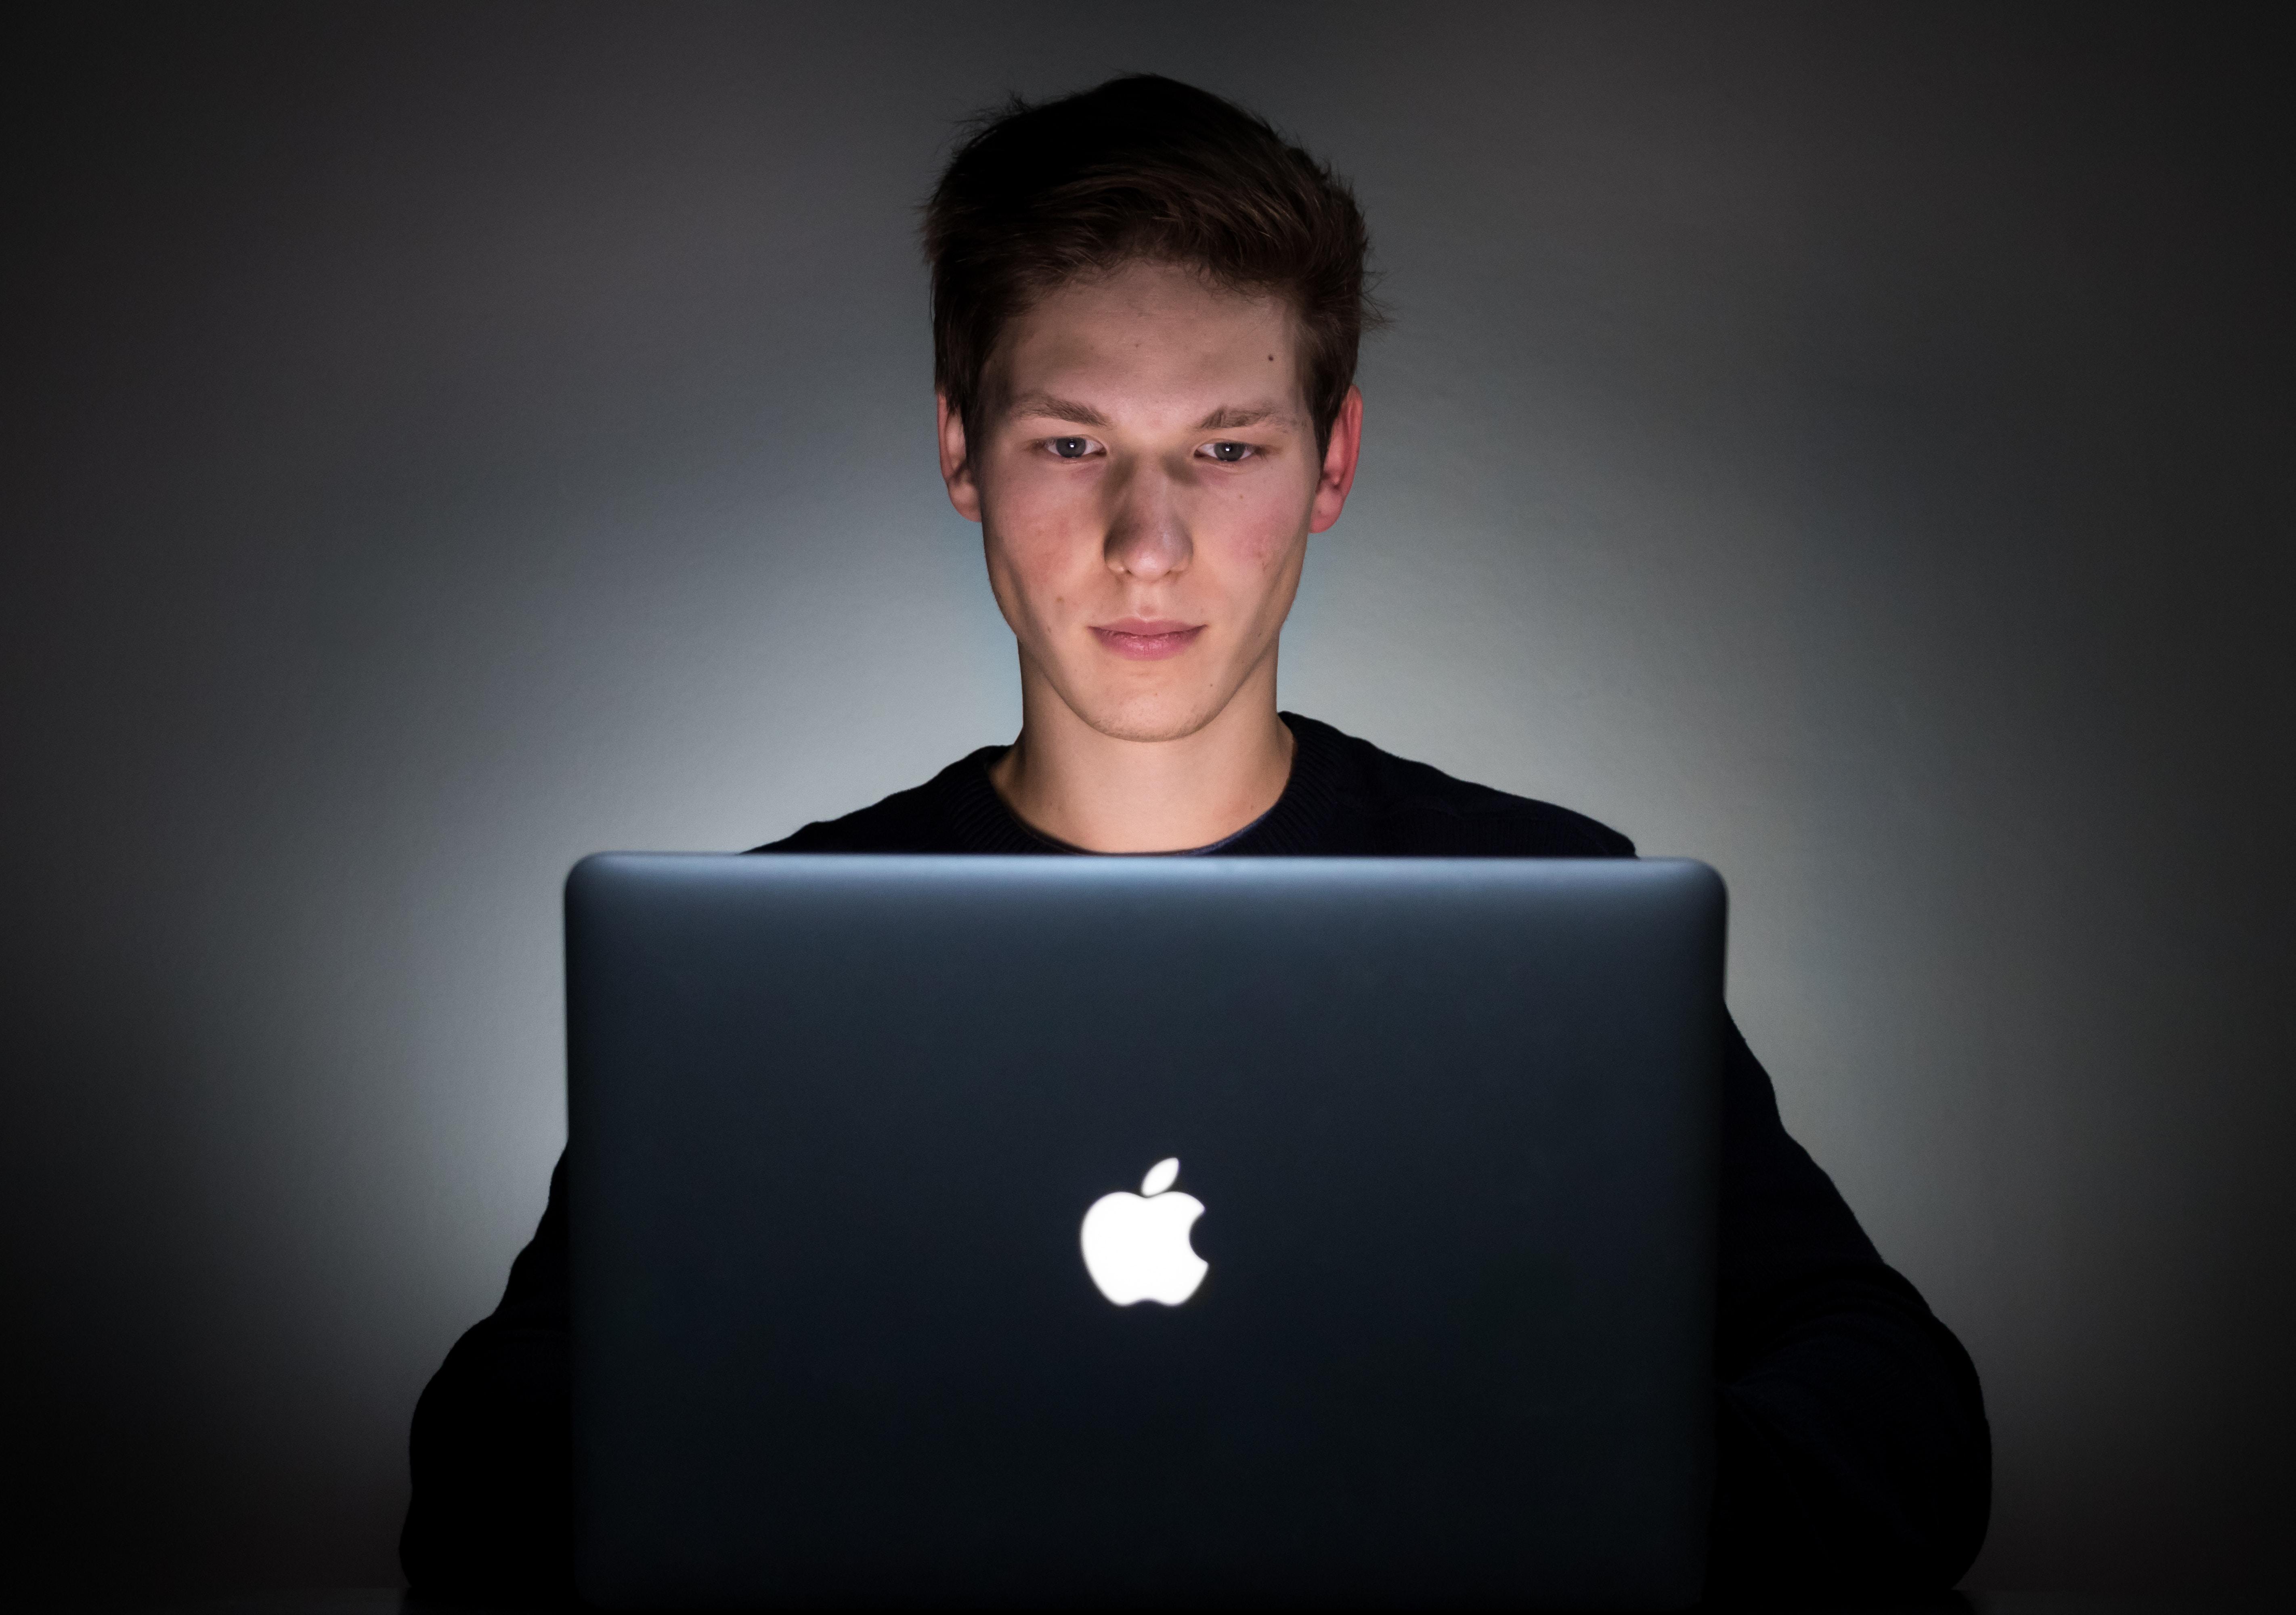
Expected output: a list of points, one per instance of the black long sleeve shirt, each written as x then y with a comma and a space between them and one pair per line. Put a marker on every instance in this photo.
1853, 1453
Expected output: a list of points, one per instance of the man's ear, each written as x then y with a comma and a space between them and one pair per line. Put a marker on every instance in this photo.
1338, 473
956, 463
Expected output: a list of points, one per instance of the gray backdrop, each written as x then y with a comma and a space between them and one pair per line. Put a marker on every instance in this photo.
1848, 444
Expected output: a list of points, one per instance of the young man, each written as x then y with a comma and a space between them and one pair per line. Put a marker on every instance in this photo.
1145, 315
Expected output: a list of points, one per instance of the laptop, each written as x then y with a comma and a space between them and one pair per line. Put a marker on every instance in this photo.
1041, 1231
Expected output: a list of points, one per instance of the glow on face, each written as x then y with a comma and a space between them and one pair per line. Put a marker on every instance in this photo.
1145, 493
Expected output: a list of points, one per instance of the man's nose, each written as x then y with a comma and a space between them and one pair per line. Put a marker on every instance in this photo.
1147, 535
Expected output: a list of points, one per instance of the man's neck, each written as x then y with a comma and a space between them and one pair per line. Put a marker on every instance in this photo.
1068, 781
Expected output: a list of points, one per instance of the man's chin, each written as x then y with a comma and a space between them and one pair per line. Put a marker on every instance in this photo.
1160, 702
1148, 732
1147, 721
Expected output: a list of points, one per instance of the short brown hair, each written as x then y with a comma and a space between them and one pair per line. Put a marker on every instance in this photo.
1140, 168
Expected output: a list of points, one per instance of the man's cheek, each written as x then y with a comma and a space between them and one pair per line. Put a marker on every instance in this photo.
1053, 547
1026, 540
1265, 539
1040, 566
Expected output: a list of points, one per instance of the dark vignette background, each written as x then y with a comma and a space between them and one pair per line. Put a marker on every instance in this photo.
1851, 445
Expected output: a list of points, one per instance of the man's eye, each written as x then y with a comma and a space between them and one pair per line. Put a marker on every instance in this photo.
1071, 449
1228, 454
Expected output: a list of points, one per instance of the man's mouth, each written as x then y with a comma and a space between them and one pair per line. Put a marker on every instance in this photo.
1145, 639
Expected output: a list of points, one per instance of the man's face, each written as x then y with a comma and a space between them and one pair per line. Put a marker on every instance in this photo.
1145, 489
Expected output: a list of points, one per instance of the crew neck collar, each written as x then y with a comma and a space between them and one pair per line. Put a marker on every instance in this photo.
983, 823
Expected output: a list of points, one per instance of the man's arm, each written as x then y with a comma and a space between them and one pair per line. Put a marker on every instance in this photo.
492, 1451
1853, 1448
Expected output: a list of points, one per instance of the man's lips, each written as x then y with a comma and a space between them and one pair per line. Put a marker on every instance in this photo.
1146, 639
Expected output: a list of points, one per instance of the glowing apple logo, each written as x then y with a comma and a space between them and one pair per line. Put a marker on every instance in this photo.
1136, 1246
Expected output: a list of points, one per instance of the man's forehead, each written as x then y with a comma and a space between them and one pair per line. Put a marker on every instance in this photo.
1151, 324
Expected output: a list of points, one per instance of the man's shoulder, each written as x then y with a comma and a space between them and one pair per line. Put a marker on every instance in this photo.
1391, 805
923, 819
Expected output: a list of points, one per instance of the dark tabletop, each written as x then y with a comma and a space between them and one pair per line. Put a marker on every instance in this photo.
392, 1600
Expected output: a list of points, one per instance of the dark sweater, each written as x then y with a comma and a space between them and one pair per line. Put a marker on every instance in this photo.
1853, 1450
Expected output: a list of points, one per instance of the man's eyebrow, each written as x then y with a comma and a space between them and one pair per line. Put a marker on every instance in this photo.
1229, 417
1043, 403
